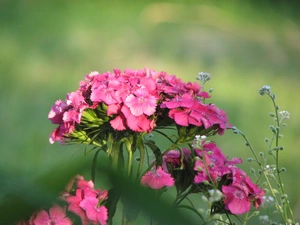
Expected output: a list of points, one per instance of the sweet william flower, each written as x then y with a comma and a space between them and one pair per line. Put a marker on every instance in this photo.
84, 190
157, 179
94, 212
141, 102
56, 216
57, 111
236, 199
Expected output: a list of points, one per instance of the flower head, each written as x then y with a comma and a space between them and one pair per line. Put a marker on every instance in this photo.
236, 199
157, 179
265, 90
94, 212
56, 216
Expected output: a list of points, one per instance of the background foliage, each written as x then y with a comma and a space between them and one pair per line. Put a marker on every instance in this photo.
48, 46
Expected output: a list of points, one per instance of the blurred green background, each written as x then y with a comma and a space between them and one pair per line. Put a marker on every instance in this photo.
48, 46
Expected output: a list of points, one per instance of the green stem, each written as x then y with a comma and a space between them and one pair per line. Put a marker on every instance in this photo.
277, 162
128, 147
264, 174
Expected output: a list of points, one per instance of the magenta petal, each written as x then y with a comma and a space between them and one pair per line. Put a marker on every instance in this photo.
41, 218
236, 200
118, 123
157, 179
180, 117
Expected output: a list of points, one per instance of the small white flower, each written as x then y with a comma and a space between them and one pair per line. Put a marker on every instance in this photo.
284, 114
93, 73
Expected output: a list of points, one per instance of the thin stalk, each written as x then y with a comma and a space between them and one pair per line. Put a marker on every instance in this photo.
265, 176
277, 161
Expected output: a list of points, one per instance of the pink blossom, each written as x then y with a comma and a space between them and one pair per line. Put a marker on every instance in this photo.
137, 123
185, 100
59, 133
102, 93
84, 189
56, 216
141, 102
118, 123
173, 158
57, 111
157, 179
236, 199
255, 193
94, 212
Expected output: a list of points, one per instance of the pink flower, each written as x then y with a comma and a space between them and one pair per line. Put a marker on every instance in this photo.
59, 133
57, 111
141, 102
56, 216
236, 199
184, 100
84, 191
105, 91
173, 158
157, 179
94, 212
137, 123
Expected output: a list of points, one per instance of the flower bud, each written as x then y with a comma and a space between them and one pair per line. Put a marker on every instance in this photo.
272, 129
282, 169
272, 114
284, 196
249, 159
265, 90
261, 154
203, 77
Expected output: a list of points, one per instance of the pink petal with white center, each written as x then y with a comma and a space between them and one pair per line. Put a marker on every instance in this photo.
141, 102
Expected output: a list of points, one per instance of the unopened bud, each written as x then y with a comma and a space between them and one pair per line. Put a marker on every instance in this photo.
272, 114
249, 159
210, 90
203, 77
282, 169
265, 90
284, 196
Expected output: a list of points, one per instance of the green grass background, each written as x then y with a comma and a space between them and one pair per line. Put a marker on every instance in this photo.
48, 46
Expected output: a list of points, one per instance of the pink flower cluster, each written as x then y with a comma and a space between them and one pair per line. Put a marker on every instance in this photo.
138, 101
83, 200
87, 202
238, 189
55, 216
210, 165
